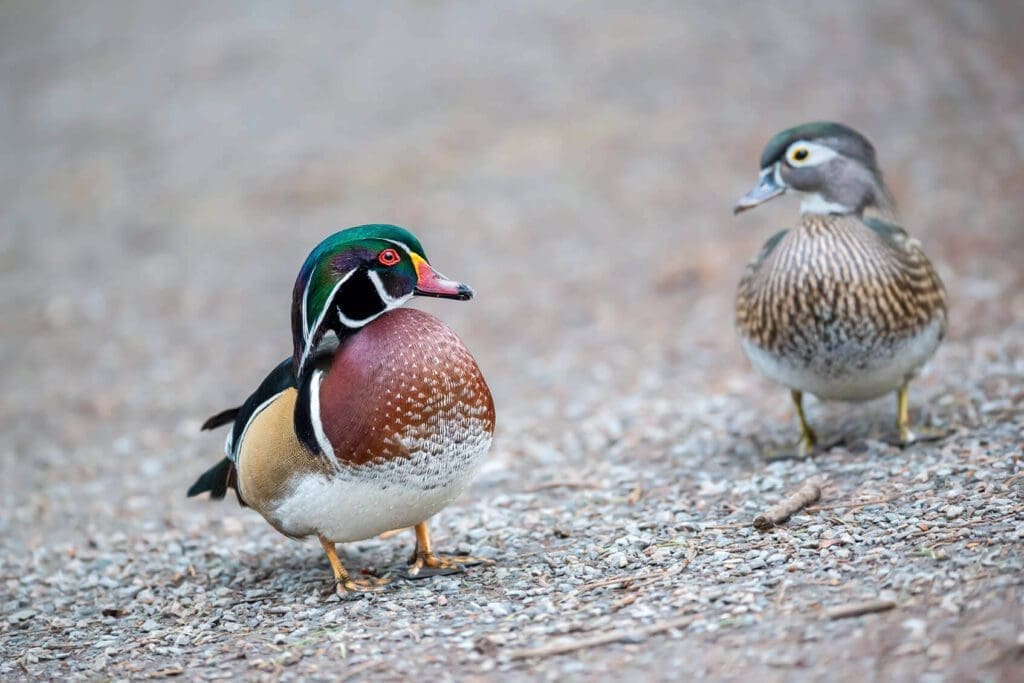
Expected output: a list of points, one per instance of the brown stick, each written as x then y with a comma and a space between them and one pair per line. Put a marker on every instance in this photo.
567, 483
856, 609
600, 639
362, 668
808, 493
861, 504
391, 534
634, 581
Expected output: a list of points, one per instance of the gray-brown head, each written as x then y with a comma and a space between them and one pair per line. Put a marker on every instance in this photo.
833, 165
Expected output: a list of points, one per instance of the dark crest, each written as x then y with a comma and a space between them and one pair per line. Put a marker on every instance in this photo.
837, 136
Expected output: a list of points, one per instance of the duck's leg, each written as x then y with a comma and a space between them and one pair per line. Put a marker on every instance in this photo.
425, 563
808, 439
908, 436
342, 581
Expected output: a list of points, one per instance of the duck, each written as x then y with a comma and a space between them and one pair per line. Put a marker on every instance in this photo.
844, 306
376, 422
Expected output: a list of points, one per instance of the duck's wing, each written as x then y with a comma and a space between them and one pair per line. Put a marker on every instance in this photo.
890, 232
222, 476
918, 271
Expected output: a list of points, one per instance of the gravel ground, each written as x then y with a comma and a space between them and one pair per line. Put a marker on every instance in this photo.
164, 171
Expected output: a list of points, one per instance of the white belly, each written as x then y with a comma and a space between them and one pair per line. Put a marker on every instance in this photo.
860, 375
359, 504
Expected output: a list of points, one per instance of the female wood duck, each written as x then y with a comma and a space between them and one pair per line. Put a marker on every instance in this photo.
377, 431
841, 306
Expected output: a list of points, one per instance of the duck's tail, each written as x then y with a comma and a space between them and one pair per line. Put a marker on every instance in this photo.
217, 480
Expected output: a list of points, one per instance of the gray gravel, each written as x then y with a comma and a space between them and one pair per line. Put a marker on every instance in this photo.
165, 172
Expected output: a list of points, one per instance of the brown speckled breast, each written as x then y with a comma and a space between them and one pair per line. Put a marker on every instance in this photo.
405, 391
833, 283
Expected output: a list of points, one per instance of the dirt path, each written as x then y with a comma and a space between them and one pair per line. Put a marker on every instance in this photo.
163, 172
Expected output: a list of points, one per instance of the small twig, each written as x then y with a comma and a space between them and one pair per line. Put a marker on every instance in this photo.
809, 492
625, 601
601, 639
167, 672
967, 525
750, 546
856, 609
391, 534
601, 583
627, 581
854, 506
782, 594
634, 496
568, 484
353, 671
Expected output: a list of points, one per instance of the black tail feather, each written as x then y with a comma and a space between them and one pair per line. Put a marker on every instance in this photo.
221, 418
215, 480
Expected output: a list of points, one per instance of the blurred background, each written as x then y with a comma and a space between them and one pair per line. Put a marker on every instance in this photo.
166, 167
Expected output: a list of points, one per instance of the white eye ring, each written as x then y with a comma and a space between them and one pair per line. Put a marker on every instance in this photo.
803, 153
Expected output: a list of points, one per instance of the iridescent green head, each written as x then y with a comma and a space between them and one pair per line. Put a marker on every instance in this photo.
833, 165
356, 275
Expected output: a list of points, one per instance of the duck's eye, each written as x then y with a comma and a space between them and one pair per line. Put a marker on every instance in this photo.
388, 257
799, 154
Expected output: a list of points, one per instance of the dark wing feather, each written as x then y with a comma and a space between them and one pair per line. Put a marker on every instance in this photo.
891, 233
930, 293
280, 378
744, 293
222, 476
221, 418
771, 243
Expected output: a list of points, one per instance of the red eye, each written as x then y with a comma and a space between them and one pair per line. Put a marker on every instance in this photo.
388, 257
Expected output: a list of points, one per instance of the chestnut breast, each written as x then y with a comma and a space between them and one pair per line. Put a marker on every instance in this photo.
404, 387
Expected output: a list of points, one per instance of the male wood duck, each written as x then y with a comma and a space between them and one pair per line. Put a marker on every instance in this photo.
378, 430
841, 306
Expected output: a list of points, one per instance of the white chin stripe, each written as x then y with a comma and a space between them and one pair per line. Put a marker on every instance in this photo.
356, 324
815, 203
390, 302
